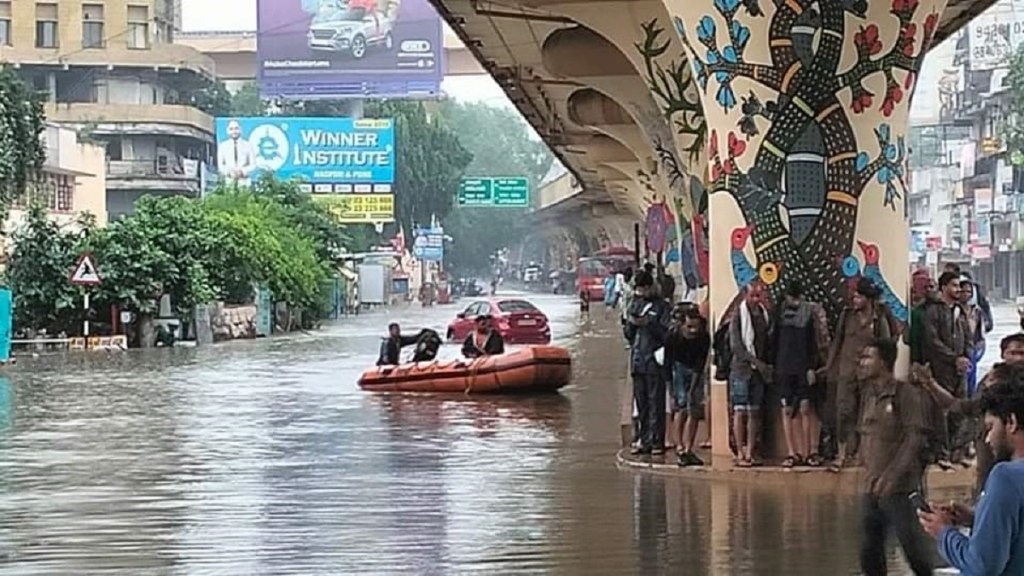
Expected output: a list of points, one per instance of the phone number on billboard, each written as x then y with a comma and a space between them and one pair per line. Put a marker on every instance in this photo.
360, 207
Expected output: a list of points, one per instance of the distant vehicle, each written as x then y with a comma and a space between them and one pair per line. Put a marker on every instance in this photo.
467, 287
531, 274
591, 271
347, 31
518, 321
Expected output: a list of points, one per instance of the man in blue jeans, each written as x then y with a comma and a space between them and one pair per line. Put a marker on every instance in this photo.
686, 353
996, 544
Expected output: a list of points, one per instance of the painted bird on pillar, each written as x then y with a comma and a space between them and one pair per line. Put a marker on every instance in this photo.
742, 271
850, 268
872, 271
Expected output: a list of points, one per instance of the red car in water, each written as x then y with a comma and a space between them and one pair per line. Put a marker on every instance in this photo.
518, 321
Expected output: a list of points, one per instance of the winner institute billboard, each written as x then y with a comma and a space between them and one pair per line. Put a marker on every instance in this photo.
348, 48
347, 163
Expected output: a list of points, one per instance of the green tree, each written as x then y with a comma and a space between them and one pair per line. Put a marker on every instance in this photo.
38, 269
429, 161
502, 144
22, 151
164, 247
247, 101
214, 99
1012, 127
307, 215
259, 241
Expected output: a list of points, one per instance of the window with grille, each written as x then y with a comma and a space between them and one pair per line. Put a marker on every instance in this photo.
46, 25
62, 193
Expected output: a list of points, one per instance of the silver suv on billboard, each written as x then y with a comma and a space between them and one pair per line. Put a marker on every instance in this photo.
352, 26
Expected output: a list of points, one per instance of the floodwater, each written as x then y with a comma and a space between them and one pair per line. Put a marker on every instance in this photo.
265, 458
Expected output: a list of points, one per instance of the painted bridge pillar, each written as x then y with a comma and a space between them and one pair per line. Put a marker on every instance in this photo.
807, 106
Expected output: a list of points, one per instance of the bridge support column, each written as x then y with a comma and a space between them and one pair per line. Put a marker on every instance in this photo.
807, 107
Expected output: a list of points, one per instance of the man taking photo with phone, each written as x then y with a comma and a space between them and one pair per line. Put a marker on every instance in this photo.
996, 544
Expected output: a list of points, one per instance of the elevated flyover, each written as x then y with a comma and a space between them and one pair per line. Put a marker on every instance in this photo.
775, 130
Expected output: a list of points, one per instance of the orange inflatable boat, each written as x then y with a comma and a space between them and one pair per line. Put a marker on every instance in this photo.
532, 369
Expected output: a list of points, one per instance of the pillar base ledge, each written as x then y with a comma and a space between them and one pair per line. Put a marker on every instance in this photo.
816, 480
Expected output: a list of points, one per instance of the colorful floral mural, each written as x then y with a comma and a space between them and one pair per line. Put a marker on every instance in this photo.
806, 103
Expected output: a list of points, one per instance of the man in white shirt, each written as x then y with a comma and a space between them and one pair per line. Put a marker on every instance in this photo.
236, 159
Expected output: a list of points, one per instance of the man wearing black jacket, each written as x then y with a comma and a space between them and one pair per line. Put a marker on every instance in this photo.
391, 348
646, 326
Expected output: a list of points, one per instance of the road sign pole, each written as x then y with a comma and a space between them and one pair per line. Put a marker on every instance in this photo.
85, 323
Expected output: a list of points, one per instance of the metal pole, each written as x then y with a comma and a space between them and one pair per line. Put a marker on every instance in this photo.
85, 323
636, 245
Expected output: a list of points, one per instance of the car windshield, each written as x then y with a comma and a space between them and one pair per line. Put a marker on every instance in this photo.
516, 306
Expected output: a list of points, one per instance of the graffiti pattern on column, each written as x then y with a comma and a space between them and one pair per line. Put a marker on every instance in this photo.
807, 161
674, 90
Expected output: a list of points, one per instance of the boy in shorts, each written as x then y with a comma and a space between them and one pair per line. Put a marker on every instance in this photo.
749, 340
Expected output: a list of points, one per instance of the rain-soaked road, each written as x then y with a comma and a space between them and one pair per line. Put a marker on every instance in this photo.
265, 458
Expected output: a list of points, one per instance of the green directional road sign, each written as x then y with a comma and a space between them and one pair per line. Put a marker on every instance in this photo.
513, 192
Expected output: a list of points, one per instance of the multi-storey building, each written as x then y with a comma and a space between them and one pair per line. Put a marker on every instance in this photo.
72, 183
109, 69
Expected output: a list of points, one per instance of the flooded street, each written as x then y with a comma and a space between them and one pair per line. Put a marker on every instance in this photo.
265, 458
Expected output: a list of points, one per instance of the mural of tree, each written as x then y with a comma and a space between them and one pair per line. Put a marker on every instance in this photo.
801, 133
672, 85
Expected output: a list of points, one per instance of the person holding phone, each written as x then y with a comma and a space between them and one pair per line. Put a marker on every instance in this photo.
894, 430
996, 544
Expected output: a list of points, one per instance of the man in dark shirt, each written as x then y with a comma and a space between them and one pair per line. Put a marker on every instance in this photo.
894, 429
946, 349
646, 326
861, 322
484, 340
797, 357
1010, 369
686, 353
391, 348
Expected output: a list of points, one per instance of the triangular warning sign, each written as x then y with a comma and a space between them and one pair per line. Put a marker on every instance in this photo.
85, 273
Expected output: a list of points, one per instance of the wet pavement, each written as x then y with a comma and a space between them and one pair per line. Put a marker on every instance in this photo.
265, 458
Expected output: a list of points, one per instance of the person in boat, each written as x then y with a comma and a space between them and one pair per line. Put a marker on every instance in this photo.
391, 348
484, 340
428, 342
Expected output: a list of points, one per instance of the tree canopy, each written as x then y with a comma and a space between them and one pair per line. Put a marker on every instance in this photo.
196, 251
22, 151
502, 145
1013, 114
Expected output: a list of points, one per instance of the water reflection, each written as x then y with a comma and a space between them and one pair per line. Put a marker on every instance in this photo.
265, 458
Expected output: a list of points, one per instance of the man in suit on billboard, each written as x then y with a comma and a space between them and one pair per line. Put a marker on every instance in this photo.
236, 158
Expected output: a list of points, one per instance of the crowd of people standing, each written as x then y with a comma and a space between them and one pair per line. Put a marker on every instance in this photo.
841, 404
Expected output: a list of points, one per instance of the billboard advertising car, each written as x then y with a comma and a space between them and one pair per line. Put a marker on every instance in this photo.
348, 48
345, 162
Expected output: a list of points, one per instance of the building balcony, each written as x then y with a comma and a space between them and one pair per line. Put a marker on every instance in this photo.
166, 175
169, 57
151, 119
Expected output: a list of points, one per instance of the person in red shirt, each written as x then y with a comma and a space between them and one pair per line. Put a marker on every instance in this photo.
360, 8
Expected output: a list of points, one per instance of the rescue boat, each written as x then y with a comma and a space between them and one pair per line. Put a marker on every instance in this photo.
531, 369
